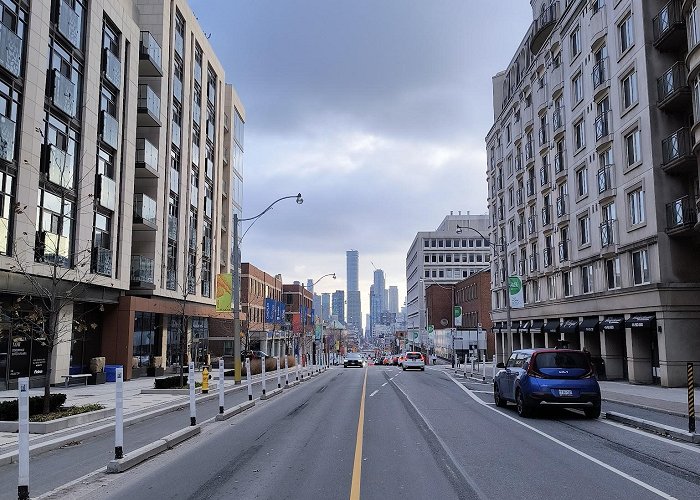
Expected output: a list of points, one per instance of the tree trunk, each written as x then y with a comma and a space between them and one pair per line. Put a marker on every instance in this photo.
47, 379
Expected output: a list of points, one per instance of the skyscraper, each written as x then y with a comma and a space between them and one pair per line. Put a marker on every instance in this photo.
326, 306
354, 316
339, 305
393, 305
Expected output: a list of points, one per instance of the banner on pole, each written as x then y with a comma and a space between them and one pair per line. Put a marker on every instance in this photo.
458, 316
224, 288
515, 291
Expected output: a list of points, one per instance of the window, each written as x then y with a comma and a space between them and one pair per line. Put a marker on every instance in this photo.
567, 285
635, 200
584, 230
582, 182
586, 279
633, 147
552, 286
575, 40
612, 269
579, 135
626, 32
577, 88
629, 90
597, 5
640, 267
693, 26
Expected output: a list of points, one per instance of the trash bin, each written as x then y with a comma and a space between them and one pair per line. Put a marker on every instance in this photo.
111, 372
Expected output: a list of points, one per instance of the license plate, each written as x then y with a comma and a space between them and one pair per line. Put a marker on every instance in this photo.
566, 392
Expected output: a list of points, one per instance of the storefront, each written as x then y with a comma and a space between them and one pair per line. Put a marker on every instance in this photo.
643, 356
20, 356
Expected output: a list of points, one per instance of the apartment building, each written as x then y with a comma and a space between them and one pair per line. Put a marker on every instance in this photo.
129, 140
300, 316
452, 252
592, 181
262, 305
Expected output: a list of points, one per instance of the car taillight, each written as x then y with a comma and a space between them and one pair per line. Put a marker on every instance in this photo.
531, 370
422, 358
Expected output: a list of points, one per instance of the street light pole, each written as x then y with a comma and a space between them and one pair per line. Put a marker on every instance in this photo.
236, 279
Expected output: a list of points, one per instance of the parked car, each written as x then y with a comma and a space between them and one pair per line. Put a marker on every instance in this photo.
413, 360
353, 359
542, 377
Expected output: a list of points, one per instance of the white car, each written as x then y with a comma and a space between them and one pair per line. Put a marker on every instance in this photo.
413, 360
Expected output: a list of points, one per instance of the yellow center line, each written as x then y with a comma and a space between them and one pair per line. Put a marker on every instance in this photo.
357, 465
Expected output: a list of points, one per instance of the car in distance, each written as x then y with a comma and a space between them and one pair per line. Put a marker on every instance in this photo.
547, 377
413, 360
353, 359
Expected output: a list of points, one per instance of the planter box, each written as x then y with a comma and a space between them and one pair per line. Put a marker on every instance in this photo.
152, 371
97, 378
59, 423
138, 372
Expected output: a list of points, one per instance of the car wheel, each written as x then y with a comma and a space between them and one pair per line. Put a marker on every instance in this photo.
524, 410
500, 402
592, 412
422, 368
403, 368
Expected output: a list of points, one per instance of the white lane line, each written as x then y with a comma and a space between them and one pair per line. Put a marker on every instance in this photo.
375, 392
482, 392
567, 446
384, 384
652, 436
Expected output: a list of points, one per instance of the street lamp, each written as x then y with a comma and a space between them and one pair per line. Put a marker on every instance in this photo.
303, 328
237, 283
496, 247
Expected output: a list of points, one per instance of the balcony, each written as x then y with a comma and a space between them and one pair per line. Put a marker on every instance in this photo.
605, 181
53, 248
544, 175
522, 267
519, 198
63, 95
543, 136
8, 131
206, 247
531, 225
534, 261
146, 159
562, 208
607, 234
530, 187
144, 213
102, 261
546, 215
603, 126
176, 134
142, 273
224, 223
558, 120
542, 27
559, 163
563, 251
673, 91
518, 162
600, 73
109, 130
500, 213
70, 24
106, 192
172, 228
10, 50
677, 154
209, 168
520, 232
148, 107
681, 216
149, 56
177, 89
529, 152
112, 68
174, 180
547, 257
669, 28
224, 188
59, 166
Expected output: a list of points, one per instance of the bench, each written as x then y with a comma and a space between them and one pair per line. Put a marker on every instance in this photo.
79, 376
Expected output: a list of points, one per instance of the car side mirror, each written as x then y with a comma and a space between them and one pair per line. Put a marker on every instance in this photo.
500, 365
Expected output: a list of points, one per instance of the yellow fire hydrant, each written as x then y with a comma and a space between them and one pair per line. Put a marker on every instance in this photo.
205, 381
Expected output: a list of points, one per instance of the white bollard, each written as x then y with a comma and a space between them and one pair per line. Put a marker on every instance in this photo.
250, 382
119, 414
483, 376
279, 379
286, 371
221, 385
23, 439
297, 370
494, 367
193, 404
262, 371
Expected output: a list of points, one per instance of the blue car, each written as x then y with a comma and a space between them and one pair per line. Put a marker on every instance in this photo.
539, 377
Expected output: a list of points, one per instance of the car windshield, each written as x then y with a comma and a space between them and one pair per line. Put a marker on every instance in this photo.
561, 360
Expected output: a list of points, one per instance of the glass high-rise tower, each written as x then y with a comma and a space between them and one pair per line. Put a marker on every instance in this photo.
354, 309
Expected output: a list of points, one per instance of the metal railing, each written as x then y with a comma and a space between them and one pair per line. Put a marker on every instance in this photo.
674, 80
605, 178
603, 125
681, 213
142, 269
600, 73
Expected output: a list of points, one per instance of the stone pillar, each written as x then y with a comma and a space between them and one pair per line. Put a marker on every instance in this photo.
60, 357
612, 351
639, 355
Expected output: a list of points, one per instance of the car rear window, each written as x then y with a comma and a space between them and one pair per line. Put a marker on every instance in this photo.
561, 360
413, 355
353, 356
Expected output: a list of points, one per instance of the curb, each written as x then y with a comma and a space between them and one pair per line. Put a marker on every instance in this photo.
234, 411
271, 394
150, 450
648, 425
644, 407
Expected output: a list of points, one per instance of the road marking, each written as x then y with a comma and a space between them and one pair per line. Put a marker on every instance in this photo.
567, 446
652, 436
482, 392
357, 464
384, 384
375, 392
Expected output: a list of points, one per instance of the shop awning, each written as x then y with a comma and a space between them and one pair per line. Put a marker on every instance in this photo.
589, 325
613, 324
552, 326
641, 321
536, 326
569, 326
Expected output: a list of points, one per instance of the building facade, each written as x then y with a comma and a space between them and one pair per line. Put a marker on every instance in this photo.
300, 318
593, 181
261, 330
339, 305
393, 299
444, 256
354, 312
132, 152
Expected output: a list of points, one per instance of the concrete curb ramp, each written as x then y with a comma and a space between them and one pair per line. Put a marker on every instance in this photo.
235, 410
271, 394
648, 425
150, 450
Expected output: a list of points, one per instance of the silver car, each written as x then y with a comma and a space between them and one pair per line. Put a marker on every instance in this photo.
413, 360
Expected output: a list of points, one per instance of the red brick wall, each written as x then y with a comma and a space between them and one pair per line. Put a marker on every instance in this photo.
474, 295
438, 300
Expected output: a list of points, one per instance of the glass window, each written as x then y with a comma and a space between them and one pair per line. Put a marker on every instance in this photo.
586, 279
579, 135
612, 269
577, 88
626, 32
629, 90
567, 284
635, 200
582, 181
633, 147
640, 267
575, 41
584, 229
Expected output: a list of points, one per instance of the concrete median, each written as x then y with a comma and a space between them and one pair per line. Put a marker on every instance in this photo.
648, 425
271, 394
235, 410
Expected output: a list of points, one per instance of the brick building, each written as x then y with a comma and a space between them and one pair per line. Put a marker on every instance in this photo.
474, 296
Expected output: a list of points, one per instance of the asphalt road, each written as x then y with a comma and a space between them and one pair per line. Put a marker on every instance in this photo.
424, 435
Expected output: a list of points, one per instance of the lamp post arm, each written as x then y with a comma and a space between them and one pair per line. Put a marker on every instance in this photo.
297, 196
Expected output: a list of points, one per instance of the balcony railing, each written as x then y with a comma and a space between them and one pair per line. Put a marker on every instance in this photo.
172, 227
10, 50
148, 107
530, 187
559, 163
174, 180
544, 175
605, 178
603, 125
141, 269
8, 132
547, 257
542, 26
60, 166
558, 118
529, 150
607, 233
146, 155
669, 30
109, 129
144, 210
64, 94
563, 251
546, 215
150, 56
518, 162
107, 192
676, 150
209, 168
672, 84
102, 261
543, 135
70, 24
112, 68
521, 232
680, 214
519, 198
534, 261
600, 73
531, 224
522, 267
500, 213
561, 206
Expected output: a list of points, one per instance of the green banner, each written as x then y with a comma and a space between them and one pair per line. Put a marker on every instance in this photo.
224, 290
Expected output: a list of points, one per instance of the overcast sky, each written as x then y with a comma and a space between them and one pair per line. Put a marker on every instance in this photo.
375, 110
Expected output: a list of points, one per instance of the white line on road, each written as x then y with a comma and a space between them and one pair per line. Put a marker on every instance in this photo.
653, 436
375, 392
482, 392
384, 384
567, 446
